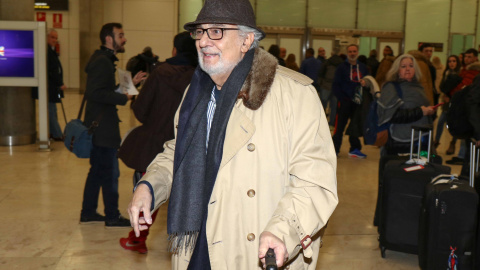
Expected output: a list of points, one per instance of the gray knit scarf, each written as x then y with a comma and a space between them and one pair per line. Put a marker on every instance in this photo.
194, 172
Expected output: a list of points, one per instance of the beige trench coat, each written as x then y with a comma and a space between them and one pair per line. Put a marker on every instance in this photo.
278, 174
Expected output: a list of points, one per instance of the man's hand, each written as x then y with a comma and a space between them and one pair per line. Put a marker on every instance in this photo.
141, 202
362, 82
63, 87
140, 76
269, 240
129, 96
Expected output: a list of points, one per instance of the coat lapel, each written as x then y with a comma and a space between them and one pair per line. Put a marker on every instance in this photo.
239, 131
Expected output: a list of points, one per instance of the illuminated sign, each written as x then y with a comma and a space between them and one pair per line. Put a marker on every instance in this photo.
51, 5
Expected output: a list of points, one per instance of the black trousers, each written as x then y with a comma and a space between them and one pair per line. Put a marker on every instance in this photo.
345, 111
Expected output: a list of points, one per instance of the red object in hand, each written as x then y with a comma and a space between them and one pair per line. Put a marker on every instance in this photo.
439, 104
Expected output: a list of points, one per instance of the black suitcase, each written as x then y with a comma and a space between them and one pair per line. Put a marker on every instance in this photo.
403, 188
381, 167
448, 222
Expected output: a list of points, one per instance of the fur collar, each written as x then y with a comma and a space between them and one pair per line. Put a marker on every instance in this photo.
418, 55
259, 80
474, 66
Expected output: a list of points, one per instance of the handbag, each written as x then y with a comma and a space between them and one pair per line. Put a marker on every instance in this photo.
78, 138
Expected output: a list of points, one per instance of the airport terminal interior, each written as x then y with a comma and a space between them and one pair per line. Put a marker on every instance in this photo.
41, 198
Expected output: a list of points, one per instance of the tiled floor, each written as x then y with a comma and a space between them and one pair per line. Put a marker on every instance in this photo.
41, 196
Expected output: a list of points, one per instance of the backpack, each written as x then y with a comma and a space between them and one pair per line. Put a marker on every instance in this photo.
458, 113
374, 134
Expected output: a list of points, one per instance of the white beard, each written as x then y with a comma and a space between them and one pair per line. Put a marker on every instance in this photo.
220, 67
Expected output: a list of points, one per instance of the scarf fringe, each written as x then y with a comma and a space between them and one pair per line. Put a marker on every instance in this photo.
181, 241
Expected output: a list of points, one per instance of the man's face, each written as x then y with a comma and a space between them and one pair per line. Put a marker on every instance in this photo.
387, 51
119, 40
219, 57
52, 39
469, 59
321, 52
283, 53
352, 53
428, 51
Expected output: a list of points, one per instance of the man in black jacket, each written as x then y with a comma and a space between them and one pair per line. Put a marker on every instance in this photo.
473, 102
55, 85
101, 108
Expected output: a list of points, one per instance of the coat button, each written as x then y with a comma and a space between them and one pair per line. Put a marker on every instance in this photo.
251, 237
251, 147
251, 193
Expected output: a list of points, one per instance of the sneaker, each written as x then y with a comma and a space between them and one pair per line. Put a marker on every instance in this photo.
92, 219
357, 154
138, 246
119, 222
455, 161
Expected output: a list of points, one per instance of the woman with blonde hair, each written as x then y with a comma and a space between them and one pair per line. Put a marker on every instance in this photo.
403, 111
291, 62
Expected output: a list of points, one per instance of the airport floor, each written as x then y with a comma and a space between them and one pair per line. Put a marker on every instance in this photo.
41, 197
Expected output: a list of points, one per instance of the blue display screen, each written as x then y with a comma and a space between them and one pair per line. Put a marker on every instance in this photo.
16, 53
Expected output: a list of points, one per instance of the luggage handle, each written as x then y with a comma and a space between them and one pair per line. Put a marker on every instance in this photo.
420, 129
444, 179
474, 159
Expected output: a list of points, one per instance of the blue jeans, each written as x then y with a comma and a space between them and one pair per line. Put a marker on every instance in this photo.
103, 174
462, 153
54, 127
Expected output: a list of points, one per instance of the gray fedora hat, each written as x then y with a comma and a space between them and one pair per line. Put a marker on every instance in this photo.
238, 12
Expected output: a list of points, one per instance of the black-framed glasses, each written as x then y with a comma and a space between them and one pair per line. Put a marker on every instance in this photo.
214, 33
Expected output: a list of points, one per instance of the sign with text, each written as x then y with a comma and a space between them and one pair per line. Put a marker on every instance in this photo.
51, 5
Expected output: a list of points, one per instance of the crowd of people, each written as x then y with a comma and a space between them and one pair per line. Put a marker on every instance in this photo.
422, 77
216, 120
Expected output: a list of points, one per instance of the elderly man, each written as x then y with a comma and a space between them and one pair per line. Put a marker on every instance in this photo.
252, 165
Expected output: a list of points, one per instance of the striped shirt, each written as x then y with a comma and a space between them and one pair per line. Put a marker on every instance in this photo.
212, 105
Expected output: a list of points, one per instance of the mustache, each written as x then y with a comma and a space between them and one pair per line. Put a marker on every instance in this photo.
207, 51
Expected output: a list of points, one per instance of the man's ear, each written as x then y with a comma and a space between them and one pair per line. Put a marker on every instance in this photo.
247, 42
108, 40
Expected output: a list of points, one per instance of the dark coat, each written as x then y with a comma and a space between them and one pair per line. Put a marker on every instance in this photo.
55, 76
155, 108
474, 103
343, 87
102, 100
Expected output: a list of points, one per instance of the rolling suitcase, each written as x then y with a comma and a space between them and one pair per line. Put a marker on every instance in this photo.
403, 188
381, 167
448, 223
